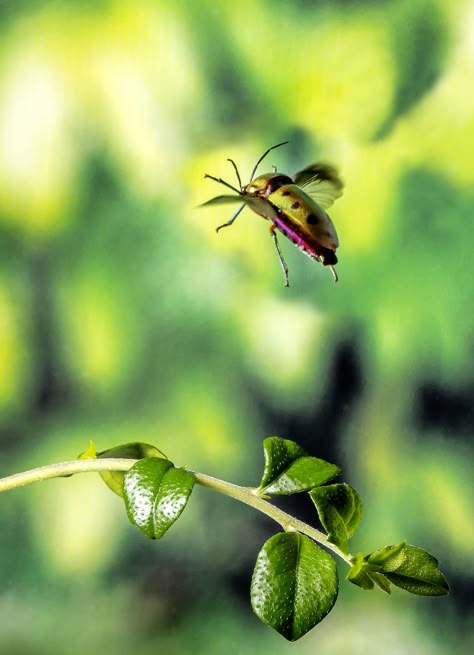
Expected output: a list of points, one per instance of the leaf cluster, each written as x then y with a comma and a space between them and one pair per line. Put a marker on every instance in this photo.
295, 581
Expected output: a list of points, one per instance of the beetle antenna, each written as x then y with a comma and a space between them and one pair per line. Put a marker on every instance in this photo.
236, 172
221, 181
263, 157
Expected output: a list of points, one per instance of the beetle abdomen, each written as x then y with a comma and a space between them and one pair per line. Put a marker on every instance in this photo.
301, 220
314, 250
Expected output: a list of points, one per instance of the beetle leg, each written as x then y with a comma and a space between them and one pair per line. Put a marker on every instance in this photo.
333, 271
232, 218
280, 256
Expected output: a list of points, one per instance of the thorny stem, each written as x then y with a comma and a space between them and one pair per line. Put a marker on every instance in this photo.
245, 495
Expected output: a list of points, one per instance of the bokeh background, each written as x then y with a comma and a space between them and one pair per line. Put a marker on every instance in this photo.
125, 317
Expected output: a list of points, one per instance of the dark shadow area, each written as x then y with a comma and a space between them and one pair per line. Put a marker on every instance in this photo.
448, 410
319, 431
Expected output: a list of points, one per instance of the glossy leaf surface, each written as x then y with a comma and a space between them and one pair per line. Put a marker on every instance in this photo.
173, 493
408, 567
388, 558
155, 494
134, 450
289, 469
416, 571
340, 511
294, 584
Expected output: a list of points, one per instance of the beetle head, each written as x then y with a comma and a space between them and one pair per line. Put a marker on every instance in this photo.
264, 185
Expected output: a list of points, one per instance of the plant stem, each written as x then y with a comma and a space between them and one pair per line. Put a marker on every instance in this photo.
245, 495
248, 496
65, 469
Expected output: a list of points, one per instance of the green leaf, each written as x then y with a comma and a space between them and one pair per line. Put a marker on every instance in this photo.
290, 470
388, 558
340, 511
134, 450
141, 485
381, 581
294, 584
89, 453
155, 494
358, 573
405, 566
173, 494
416, 571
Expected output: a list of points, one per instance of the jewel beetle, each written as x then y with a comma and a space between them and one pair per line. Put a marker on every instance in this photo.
295, 206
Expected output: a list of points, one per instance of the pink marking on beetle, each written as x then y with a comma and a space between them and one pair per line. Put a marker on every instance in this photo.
298, 240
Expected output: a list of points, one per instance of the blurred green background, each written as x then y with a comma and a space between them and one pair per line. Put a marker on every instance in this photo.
124, 316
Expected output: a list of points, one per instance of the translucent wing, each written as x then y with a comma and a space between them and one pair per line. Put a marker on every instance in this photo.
258, 205
222, 200
321, 182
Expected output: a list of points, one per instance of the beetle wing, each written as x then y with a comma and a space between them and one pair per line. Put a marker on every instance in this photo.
321, 182
305, 215
325, 232
258, 205
261, 206
222, 200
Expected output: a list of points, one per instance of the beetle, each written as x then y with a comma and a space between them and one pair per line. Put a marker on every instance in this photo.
295, 206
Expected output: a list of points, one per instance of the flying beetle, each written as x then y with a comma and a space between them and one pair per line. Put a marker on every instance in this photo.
295, 206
